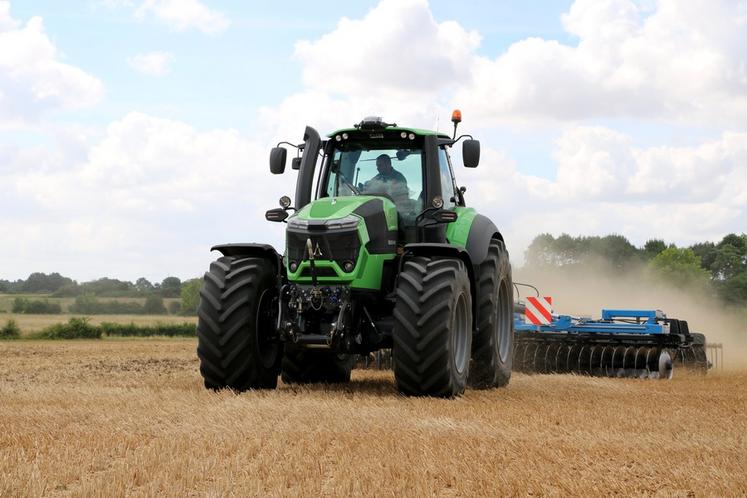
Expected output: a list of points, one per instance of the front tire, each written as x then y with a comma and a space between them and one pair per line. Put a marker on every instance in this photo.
492, 346
432, 327
235, 346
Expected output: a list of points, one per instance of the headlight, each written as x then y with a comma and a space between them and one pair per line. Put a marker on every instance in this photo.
298, 223
350, 221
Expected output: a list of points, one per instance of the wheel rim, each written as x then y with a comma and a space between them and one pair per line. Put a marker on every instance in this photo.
503, 324
460, 337
267, 348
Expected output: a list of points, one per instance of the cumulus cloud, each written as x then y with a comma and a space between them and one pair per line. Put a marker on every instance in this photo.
152, 194
182, 15
397, 48
685, 61
151, 63
33, 80
604, 184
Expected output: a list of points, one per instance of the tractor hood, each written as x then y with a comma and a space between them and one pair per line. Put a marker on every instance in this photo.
350, 222
372, 209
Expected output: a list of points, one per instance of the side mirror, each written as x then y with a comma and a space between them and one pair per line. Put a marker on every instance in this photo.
296, 163
277, 214
277, 160
471, 153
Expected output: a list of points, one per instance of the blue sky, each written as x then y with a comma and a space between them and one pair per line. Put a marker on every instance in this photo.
142, 123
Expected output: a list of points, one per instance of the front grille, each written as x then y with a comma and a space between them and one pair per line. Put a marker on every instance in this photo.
338, 246
324, 271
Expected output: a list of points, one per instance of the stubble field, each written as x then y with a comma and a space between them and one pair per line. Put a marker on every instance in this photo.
130, 417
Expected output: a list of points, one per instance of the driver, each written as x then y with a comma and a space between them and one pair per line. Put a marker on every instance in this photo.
389, 181
386, 172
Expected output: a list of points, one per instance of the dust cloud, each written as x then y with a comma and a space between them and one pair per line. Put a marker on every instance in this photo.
584, 291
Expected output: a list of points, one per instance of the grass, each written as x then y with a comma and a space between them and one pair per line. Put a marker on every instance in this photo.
130, 417
30, 324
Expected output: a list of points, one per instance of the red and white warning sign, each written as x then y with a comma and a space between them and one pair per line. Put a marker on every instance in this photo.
538, 310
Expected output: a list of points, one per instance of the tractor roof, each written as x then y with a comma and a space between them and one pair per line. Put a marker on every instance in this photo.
417, 131
375, 123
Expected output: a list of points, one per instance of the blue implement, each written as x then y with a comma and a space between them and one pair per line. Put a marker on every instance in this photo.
622, 343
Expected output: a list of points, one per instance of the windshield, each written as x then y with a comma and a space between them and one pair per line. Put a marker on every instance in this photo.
395, 173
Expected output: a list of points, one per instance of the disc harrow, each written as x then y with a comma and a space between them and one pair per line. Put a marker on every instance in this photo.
642, 344
599, 360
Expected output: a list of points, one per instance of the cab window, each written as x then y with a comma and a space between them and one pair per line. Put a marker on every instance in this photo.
448, 191
395, 173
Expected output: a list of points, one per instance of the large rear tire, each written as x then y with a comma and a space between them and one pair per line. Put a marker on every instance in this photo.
432, 327
303, 366
492, 345
235, 346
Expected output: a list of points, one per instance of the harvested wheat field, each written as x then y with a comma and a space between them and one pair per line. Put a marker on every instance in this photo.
130, 417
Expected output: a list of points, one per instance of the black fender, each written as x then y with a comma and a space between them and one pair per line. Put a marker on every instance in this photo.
252, 250
431, 249
481, 233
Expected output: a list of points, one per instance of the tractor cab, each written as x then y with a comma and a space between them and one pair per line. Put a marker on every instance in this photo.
409, 167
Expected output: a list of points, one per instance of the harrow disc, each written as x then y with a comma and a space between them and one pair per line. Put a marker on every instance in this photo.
629, 361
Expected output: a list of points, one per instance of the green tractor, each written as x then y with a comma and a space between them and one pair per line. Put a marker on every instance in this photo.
381, 252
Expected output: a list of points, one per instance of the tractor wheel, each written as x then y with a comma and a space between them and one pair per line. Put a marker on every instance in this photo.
303, 366
236, 314
432, 327
492, 345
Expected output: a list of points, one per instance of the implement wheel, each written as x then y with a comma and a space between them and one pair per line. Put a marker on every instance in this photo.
432, 327
236, 314
492, 346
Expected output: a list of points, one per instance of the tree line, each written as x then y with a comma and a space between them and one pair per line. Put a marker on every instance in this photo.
719, 267
59, 286
87, 295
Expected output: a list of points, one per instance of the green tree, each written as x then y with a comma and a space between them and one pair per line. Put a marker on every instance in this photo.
734, 290
143, 285
652, 248
540, 251
680, 267
190, 295
43, 283
706, 251
171, 287
615, 249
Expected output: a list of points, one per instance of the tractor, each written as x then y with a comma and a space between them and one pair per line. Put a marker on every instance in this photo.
381, 252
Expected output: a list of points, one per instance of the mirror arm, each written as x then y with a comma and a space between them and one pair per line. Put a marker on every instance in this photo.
451, 141
299, 147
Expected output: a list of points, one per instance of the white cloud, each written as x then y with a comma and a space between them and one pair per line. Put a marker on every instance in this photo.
182, 15
605, 184
686, 62
33, 80
151, 63
397, 48
150, 198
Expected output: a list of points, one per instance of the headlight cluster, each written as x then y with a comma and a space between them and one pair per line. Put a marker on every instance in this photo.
350, 221
298, 223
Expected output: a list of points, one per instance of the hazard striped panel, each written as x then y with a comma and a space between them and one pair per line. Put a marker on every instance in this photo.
538, 310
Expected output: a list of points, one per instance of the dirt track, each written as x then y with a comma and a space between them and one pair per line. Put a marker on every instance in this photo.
130, 417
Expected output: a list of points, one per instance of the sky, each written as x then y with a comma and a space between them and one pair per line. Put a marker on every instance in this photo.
135, 134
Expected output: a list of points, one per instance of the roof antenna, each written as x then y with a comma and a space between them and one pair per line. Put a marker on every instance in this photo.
438, 119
